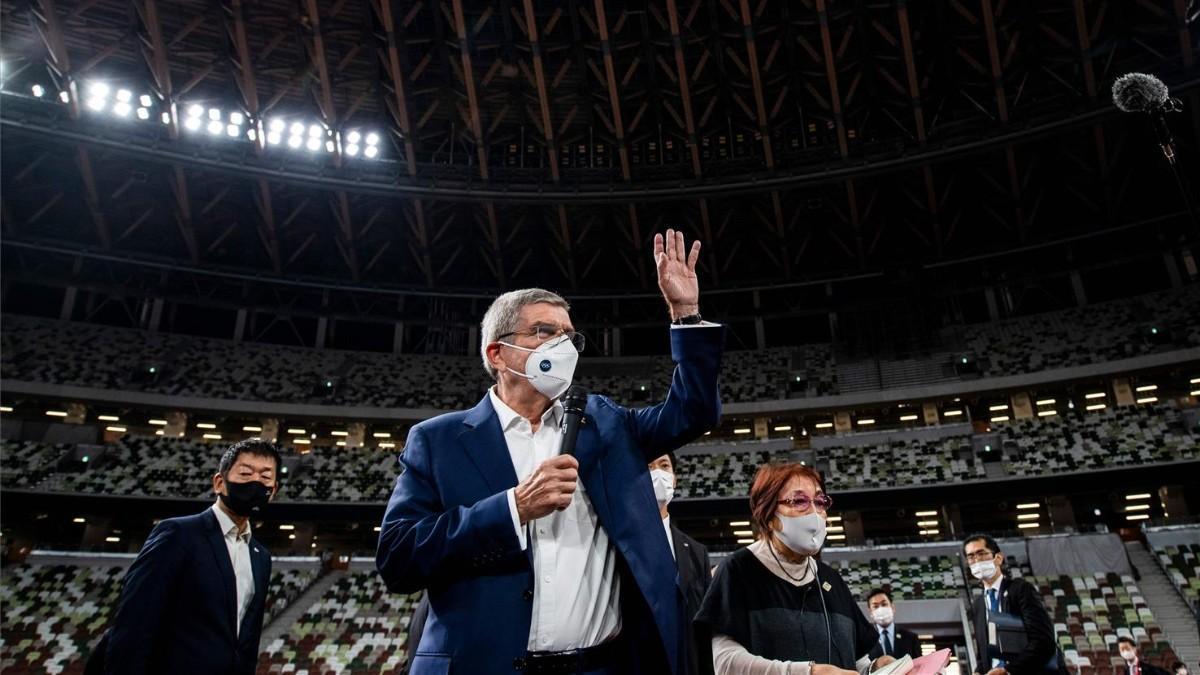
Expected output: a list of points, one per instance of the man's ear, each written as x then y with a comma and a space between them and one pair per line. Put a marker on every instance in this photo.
494, 357
217, 482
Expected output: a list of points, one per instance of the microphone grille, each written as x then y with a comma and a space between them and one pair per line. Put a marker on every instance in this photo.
1139, 92
576, 398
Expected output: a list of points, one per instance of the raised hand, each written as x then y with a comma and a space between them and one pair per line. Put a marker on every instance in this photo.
677, 273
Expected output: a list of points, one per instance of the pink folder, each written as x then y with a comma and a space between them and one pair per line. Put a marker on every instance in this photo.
931, 664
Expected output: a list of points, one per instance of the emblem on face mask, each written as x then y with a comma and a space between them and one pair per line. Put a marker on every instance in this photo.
545, 365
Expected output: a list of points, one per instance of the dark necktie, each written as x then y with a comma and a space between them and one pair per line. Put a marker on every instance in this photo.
887, 643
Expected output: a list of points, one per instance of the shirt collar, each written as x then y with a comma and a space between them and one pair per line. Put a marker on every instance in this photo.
509, 417
667, 521
229, 527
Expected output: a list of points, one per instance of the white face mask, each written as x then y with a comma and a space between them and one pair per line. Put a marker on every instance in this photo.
882, 616
803, 534
1128, 656
550, 367
983, 570
664, 486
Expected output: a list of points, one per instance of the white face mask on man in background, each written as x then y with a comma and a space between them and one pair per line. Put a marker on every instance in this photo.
664, 486
983, 570
882, 616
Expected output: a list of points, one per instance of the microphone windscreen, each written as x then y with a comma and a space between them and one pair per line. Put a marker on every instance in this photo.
575, 400
1139, 92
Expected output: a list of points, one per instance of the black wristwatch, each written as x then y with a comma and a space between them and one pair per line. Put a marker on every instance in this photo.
689, 320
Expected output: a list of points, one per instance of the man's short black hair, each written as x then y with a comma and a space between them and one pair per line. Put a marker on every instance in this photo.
878, 591
674, 462
1127, 640
987, 540
251, 446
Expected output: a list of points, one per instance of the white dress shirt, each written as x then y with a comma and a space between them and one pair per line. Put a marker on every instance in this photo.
238, 544
670, 539
890, 629
576, 596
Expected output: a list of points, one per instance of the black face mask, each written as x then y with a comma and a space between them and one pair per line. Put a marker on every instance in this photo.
246, 499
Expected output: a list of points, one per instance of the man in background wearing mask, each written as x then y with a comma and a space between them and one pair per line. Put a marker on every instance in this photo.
1009, 596
1133, 660
194, 598
893, 641
537, 562
691, 559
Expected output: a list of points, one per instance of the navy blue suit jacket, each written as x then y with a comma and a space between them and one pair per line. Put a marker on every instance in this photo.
177, 609
448, 528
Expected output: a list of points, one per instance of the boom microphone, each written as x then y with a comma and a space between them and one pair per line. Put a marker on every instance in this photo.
574, 401
1142, 93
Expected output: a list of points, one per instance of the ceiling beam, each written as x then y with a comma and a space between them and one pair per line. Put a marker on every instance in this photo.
614, 98
539, 76
183, 212
468, 75
245, 75
158, 59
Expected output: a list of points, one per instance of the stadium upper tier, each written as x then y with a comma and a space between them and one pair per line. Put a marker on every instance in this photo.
167, 467
103, 357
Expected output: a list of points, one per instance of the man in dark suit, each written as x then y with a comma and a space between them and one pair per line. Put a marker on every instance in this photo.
535, 561
1009, 596
893, 640
691, 559
194, 598
1134, 665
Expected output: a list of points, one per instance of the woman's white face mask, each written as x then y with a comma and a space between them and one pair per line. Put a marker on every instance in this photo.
803, 534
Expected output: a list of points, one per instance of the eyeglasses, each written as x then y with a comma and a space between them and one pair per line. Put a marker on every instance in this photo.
980, 555
802, 501
546, 332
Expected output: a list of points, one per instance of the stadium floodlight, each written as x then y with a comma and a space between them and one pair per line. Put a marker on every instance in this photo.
297, 129
195, 111
64, 97
237, 118
38, 90
233, 131
372, 139
252, 135
353, 137
96, 104
315, 131
274, 138
313, 144
192, 123
215, 128
214, 114
145, 101
143, 114
121, 109
277, 125
352, 149
98, 89
370, 152
295, 141
166, 118
124, 95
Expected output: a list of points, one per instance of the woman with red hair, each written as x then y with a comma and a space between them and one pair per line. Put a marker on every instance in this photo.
773, 608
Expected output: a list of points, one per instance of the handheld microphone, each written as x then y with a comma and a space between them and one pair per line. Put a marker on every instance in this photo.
574, 401
1139, 92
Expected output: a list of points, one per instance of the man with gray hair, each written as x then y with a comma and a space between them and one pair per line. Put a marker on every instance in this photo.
537, 561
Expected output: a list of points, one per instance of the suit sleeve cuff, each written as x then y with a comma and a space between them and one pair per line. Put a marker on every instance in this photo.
702, 324
516, 519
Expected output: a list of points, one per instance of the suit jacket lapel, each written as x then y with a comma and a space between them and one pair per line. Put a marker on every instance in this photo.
483, 440
683, 558
216, 541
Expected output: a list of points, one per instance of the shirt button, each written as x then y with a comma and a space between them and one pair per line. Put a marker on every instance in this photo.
541, 530
545, 640
546, 578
